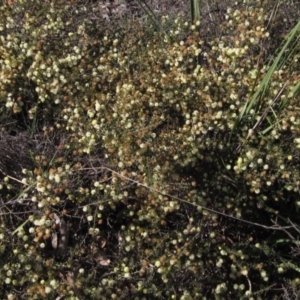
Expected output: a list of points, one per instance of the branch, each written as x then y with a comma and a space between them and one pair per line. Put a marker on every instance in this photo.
187, 202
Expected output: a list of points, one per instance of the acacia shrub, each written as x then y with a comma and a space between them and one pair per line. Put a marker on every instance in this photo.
129, 119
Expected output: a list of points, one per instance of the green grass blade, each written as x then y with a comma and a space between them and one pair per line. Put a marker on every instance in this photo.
266, 81
195, 10
149, 12
255, 102
295, 89
20, 228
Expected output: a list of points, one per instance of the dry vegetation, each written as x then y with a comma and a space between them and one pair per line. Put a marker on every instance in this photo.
140, 161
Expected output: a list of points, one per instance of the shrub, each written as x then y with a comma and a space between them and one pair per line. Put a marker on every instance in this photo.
145, 174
